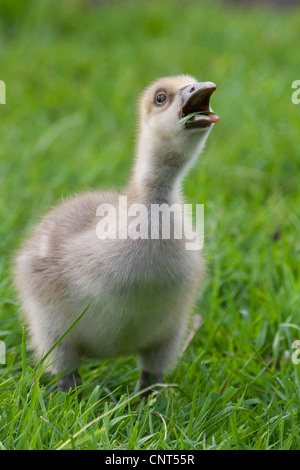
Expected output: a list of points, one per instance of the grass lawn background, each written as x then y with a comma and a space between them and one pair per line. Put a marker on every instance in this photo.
73, 73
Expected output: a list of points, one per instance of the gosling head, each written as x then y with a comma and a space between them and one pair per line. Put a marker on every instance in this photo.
166, 147
162, 106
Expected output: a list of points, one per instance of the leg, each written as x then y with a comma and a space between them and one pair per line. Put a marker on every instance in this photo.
70, 381
147, 379
64, 358
156, 359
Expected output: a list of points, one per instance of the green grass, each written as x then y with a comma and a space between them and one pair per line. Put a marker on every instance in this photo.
73, 75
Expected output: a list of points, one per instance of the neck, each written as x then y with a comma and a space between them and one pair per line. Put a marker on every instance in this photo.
159, 168
157, 176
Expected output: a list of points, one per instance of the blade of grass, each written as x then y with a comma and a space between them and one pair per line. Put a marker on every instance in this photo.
23, 352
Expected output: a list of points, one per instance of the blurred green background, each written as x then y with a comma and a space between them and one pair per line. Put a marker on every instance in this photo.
73, 72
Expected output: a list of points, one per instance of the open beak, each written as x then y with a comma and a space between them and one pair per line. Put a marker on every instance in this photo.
195, 98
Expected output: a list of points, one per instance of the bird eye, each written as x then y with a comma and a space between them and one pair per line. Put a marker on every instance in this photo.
161, 98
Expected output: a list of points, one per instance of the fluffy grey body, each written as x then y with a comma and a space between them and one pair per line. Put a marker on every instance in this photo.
142, 290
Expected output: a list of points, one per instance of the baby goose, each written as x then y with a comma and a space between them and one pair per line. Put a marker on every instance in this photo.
142, 289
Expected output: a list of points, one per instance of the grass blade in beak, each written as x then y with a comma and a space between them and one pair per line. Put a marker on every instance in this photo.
189, 116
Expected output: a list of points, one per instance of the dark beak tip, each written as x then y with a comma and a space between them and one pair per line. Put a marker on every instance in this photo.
209, 85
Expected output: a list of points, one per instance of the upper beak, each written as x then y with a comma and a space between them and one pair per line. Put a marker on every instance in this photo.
195, 98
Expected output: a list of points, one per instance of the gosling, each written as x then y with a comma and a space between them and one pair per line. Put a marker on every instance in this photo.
140, 290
